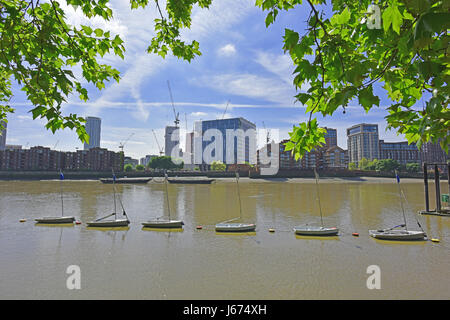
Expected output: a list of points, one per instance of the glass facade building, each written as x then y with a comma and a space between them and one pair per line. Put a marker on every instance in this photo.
230, 141
93, 129
363, 142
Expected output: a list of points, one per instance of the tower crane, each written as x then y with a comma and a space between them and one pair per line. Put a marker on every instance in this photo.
161, 152
268, 134
177, 120
122, 144
225, 109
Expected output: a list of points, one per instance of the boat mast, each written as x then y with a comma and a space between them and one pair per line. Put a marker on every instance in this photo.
61, 177
318, 196
114, 194
239, 194
167, 193
401, 202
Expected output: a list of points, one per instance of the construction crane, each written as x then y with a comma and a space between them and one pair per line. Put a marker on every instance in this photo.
268, 134
177, 120
225, 109
54, 147
161, 152
122, 144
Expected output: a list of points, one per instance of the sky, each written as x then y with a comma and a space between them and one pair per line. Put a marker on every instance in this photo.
242, 72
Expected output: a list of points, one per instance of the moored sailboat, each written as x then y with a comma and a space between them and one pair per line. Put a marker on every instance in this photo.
102, 223
399, 234
227, 226
164, 223
316, 230
57, 220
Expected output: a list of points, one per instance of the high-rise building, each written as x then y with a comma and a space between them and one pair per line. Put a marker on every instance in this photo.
3, 136
330, 138
363, 142
93, 128
236, 141
172, 142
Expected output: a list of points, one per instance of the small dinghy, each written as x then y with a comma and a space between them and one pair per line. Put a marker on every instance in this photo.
316, 231
226, 226
164, 223
54, 220
390, 234
399, 234
57, 220
101, 223
235, 227
313, 230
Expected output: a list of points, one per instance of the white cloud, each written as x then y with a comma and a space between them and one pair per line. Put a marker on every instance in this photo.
198, 114
227, 50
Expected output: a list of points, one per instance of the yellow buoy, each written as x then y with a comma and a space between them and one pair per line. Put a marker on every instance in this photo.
435, 240
271, 230
23, 220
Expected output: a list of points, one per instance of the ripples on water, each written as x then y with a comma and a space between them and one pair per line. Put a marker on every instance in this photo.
134, 263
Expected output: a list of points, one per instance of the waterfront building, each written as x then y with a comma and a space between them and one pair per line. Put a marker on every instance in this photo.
129, 160
236, 141
330, 137
363, 142
13, 146
335, 157
93, 129
172, 141
402, 152
3, 136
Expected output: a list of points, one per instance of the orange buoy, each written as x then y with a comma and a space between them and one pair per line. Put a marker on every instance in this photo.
77, 222
199, 227
355, 234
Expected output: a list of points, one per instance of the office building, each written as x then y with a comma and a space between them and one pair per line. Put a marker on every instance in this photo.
172, 142
363, 142
93, 129
330, 138
230, 141
146, 160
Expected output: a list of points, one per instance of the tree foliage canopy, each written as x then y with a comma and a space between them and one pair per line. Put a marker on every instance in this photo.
339, 57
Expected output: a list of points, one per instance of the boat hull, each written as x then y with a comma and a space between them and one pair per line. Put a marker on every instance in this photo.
109, 223
126, 180
191, 181
55, 220
316, 231
398, 235
166, 224
235, 227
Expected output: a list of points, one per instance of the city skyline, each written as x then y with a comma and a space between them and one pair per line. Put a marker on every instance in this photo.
242, 62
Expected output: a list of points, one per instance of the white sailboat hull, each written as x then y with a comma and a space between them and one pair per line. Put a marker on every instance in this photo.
315, 231
397, 234
235, 227
109, 223
163, 224
52, 220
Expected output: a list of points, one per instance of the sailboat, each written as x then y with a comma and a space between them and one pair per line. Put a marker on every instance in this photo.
102, 223
314, 230
399, 234
62, 219
226, 226
164, 223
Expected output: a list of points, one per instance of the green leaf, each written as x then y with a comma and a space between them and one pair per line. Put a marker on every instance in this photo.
392, 16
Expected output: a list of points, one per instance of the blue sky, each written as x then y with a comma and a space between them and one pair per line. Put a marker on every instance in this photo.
242, 62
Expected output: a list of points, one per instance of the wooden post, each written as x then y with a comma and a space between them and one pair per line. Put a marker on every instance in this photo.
438, 188
425, 183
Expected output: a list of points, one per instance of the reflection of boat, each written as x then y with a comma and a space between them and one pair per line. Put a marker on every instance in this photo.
57, 220
313, 230
316, 231
399, 234
125, 180
164, 223
191, 180
226, 226
101, 223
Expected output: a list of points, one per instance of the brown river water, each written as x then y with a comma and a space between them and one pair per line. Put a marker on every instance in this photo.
134, 263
